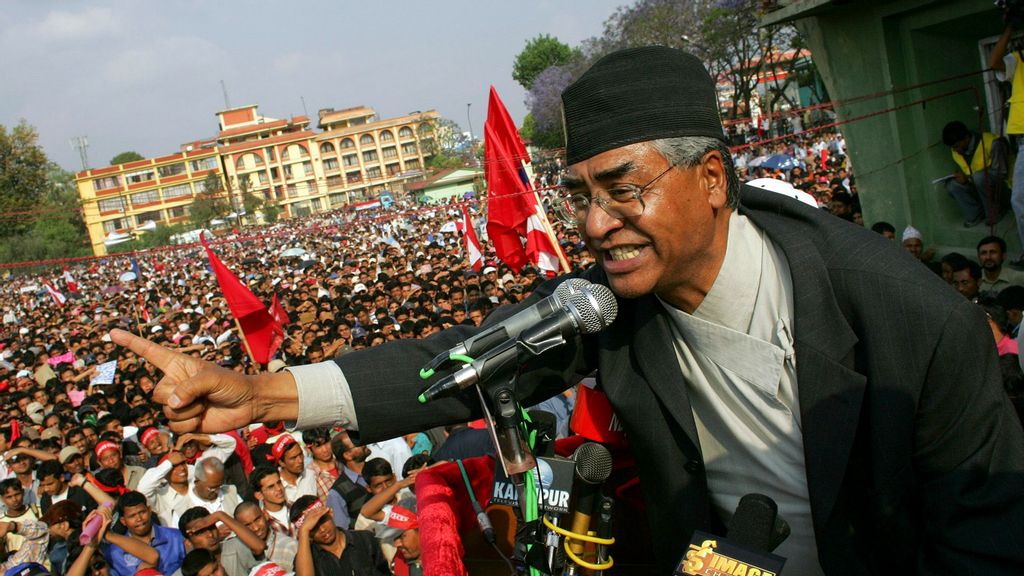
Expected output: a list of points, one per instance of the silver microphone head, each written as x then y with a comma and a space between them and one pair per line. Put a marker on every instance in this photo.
593, 463
594, 308
570, 287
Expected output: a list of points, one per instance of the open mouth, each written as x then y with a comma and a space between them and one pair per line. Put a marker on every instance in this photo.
624, 252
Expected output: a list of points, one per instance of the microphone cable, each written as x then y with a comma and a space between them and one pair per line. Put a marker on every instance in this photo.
483, 520
567, 535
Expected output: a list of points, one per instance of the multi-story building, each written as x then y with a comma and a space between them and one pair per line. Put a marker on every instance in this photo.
355, 157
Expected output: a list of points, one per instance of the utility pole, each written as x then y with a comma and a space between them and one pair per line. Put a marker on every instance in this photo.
80, 143
469, 120
224, 89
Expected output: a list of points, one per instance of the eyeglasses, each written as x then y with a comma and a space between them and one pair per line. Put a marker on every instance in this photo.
623, 201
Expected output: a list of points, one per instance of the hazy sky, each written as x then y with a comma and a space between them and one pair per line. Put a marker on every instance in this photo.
145, 76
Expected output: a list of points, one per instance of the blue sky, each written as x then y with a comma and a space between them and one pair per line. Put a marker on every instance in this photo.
145, 76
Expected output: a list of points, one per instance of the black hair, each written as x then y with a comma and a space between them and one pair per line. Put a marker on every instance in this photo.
967, 264
257, 476
10, 484
992, 240
883, 227
49, 468
196, 560
299, 506
954, 132
1011, 298
995, 313
129, 499
315, 434
414, 462
192, 514
376, 467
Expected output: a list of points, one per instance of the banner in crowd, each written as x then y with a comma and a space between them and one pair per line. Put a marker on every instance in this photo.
57, 296
65, 358
104, 373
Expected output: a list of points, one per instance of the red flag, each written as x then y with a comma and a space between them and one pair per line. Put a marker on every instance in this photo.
515, 220
143, 311
259, 327
59, 298
69, 281
505, 129
473, 251
278, 311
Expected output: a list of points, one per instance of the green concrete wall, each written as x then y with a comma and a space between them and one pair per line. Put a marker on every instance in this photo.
873, 46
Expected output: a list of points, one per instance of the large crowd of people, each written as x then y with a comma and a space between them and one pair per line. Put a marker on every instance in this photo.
81, 450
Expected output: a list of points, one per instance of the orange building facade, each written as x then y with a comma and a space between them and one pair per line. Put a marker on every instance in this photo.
356, 156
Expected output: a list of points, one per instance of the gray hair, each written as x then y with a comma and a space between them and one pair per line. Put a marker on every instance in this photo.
208, 465
687, 152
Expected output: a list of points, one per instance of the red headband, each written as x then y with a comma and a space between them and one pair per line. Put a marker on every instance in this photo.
105, 446
403, 519
148, 435
316, 505
120, 490
280, 447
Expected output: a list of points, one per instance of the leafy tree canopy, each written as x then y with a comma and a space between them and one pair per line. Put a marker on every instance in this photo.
540, 54
125, 157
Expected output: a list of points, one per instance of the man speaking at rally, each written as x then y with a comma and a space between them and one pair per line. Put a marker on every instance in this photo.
761, 346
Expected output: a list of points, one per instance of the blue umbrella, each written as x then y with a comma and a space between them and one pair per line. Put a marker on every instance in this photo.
780, 162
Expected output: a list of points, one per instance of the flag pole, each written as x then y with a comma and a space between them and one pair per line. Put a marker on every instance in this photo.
245, 341
551, 233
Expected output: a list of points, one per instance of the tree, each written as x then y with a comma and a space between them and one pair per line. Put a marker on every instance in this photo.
545, 103
209, 204
445, 145
23, 178
540, 54
126, 157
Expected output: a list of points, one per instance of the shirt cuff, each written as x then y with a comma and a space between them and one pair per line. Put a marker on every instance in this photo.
324, 397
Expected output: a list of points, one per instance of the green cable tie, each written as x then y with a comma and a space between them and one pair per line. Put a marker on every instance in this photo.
461, 358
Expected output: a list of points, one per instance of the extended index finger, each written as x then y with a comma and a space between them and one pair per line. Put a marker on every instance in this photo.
160, 357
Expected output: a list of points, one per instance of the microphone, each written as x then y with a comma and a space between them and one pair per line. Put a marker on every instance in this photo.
593, 466
586, 312
754, 530
509, 327
756, 525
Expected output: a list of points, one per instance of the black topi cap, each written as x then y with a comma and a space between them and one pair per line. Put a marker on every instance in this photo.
637, 95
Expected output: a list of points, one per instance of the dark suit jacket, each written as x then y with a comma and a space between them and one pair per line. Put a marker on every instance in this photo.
914, 456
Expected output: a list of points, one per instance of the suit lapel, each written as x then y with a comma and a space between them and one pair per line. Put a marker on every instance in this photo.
656, 355
830, 391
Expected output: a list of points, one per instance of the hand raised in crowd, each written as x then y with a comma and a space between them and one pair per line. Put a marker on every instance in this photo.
200, 396
312, 520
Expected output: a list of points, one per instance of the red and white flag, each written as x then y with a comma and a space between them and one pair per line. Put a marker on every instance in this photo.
70, 281
59, 298
474, 253
143, 310
516, 223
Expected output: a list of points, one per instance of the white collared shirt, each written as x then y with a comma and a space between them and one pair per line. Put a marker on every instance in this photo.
736, 355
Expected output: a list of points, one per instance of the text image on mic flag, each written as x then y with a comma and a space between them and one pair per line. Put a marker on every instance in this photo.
715, 556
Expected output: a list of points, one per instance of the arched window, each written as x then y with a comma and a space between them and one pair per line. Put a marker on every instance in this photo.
326, 148
405, 132
366, 140
347, 143
386, 136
